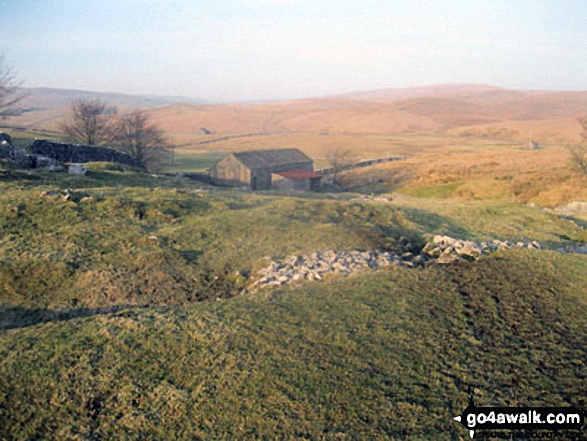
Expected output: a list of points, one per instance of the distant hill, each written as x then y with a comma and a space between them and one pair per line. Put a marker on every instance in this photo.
46, 107
458, 109
46, 97
434, 91
467, 110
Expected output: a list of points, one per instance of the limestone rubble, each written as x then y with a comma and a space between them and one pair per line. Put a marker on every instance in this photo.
439, 250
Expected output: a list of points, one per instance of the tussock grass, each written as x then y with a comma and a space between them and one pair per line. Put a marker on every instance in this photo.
512, 174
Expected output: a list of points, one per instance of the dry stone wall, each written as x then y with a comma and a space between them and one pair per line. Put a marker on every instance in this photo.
80, 153
5, 146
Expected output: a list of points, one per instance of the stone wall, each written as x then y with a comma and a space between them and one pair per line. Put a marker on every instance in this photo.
362, 164
5, 146
5, 150
5, 137
80, 153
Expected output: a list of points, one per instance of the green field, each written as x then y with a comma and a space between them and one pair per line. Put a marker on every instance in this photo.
122, 314
190, 161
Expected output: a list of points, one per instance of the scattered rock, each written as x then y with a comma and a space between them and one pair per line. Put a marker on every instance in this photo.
50, 194
43, 162
440, 250
77, 169
22, 159
578, 249
55, 168
447, 258
318, 265
572, 208
534, 245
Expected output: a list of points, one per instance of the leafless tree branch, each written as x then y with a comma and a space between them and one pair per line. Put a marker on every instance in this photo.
338, 159
10, 94
91, 122
137, 136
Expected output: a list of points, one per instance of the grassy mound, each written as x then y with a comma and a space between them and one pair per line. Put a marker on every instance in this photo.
101, 245
104, 335
384, 356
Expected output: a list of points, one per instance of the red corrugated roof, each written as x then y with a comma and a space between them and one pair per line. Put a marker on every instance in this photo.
298, 174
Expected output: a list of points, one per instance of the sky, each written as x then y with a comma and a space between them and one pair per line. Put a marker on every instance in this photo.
243, 50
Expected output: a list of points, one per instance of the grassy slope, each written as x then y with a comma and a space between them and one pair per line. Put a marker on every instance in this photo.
61, 254
482, 172
381, 356
387, 354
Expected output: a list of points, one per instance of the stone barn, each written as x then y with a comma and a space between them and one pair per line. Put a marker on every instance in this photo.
265, 169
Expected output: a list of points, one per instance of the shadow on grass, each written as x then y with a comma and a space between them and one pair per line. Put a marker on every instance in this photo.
15, 317
434, 223
579, 222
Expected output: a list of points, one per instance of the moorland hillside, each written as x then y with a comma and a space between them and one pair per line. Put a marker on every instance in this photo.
465, 110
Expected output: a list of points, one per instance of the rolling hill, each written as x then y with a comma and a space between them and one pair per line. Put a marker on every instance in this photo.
45, 106
463, 110
422, 110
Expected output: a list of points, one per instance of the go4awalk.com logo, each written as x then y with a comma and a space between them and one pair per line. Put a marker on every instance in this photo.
543, 419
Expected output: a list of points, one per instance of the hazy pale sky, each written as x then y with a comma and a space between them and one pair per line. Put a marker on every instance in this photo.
228, 50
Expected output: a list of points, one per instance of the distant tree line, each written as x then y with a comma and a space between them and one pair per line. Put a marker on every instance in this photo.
93, 122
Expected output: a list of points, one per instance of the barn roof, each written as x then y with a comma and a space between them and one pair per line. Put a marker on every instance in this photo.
298, 174
271, 158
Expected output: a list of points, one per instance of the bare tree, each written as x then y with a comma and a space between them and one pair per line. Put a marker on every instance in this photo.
90, 122
10, 93
338, 160
137, 136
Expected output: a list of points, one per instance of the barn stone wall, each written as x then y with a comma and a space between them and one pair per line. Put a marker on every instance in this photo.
80, 153
230, 171
282, 183
261, 178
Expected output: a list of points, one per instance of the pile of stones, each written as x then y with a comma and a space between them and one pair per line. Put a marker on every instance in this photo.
317, 265
439, 250
66, 195
445, 249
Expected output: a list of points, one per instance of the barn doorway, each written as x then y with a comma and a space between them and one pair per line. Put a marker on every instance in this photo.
254, 184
